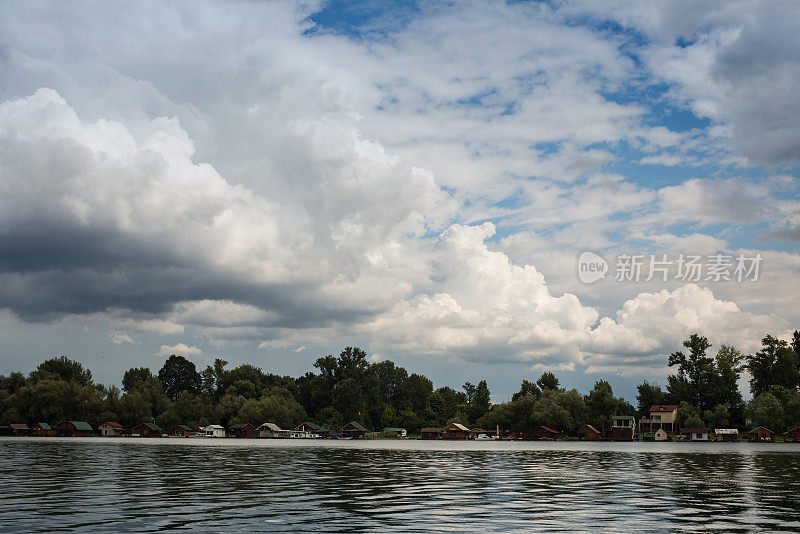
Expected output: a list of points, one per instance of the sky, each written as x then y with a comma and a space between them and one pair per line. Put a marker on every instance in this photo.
269, 182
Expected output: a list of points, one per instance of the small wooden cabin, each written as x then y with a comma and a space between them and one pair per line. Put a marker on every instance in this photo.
74, 429
20, 429
245, 431
726, 434
622, 427
353, 430
44, 429
760, 434
147, 430
695, 434
542, 432
430, 433
792, 435
312, 428
182, 431
588, 433
111, 428
660, 435
455, 431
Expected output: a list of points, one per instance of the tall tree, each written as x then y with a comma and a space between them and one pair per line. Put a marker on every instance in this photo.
179, 374
548, 381
648, 395
63, 368
697, 369
134, 376
776, 364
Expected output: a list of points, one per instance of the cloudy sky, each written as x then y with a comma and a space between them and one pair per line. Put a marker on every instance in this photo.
271, 181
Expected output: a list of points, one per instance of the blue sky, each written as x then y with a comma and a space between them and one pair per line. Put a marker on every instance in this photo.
270, 182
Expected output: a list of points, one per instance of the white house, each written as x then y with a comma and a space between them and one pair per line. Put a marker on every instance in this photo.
695, 434
214, 431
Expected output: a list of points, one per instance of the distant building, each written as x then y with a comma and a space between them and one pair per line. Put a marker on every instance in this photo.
20, 429
353, 430
111, 428
147, 430
74, 429
401, 432
213, 431
44, 430
622, 427
430, 433
588, 433
182, 431
792, 435
455, 431
545, 433
726, 434
246, 430
695, 434
660, 416
760, 434
660, 435
271, 430
314, 429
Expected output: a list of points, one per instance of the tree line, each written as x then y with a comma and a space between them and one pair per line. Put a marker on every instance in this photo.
349, 387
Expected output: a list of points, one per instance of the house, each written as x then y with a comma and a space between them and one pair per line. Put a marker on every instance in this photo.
314, 430
147, 430
44, 429
213, 431
74, 429
660, 416
401, 432
353, 430
588, 433
246, 430
181, 431
271, 430
660, 435
726, 434
792, 435
111, 428
20, 429
622, 427
455, 431
695, 434
760, 434
546, 433
430, 433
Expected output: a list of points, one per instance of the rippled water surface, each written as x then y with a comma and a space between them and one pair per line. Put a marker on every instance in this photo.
298, 485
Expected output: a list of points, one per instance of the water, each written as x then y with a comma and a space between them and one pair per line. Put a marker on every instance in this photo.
140, 485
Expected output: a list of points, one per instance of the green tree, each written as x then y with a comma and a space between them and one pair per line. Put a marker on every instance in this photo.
776, 364
766, 410
527, 388
548, 381
696, 369
179, 374
134, 376
648, 395
63, 368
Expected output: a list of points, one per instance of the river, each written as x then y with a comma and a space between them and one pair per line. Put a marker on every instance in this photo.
119, 484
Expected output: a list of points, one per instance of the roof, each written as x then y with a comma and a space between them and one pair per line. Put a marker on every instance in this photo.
212, 427
312, 426
593, 429
354, 425
694, 430
792, 430
548, 429
431, 430
756, 429
152, 426
456, 426
44, 426
114, 424
19, 426
725, 431
239, 427
393, 429
81, 425
182, 427
663, 408
623, 417
271, 426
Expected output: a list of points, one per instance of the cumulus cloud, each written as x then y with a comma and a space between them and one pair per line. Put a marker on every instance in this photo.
179, 349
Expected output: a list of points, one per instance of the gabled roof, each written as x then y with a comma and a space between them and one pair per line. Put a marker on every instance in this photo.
663, 408
115, 425
593, 429
732, 431
182, 427
393, 429
352, 425
456, 426
694, 430
19, 426
81, 425
548, 429
44, 426
152, 426
761, 428
239, 427
792, 430
271, 426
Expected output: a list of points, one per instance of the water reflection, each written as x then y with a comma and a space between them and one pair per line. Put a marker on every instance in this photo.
137, 485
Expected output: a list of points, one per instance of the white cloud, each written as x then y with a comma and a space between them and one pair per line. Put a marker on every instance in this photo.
179, 349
